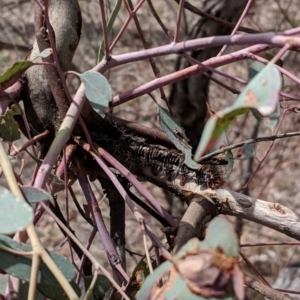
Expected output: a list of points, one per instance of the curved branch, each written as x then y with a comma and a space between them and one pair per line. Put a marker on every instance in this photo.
273, 215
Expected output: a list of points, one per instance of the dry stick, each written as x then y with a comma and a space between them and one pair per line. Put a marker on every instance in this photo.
126, 198
272, 215
97, 265
126, 173
178, 22
83, 258
36, 243
237, 25
99, 222
271, 38
193, 223
267, 291
104, 29
254, 270
148, 209
145, 44
117, 216
250, 141
203, 14
30, 142
270, 244
133, 12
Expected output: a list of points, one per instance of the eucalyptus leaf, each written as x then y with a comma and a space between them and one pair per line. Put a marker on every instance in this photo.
20, 266
101, 286
13, 73
97, 90
177, 136
45, 53
3, 283
221, 235
9, 129
261, 94
35, 195
15, 214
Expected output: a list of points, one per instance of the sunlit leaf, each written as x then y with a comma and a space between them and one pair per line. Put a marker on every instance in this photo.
15, 214
97, 90
177, 136
220, 234
153, 279
194, 276
13, 73
9, 129
261, 94
271, 120
45, 53
215, 126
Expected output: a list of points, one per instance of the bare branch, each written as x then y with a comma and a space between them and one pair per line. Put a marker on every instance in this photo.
273, 215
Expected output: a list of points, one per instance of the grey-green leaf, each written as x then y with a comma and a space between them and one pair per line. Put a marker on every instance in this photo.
3, 283
97, 90
54, 292
221, 235
35, 195
177, 136
101, 286
20, 266
15, 214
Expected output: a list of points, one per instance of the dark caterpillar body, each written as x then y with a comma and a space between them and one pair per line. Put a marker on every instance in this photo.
154, 161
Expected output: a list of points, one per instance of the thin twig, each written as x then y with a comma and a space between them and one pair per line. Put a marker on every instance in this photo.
250, 141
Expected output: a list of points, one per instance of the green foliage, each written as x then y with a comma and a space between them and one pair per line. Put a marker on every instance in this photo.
140, 272
193, 272
261, 95
34, 195
101, 286
177, 136
15, 215
9, 129
271, 120
16, 260
46, 53
225, 170
56, 292
97, 90
14, 73
3, 284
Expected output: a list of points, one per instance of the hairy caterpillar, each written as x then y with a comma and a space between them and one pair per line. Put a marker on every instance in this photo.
155, 162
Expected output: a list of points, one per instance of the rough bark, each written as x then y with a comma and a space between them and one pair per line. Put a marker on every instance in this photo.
40, 107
